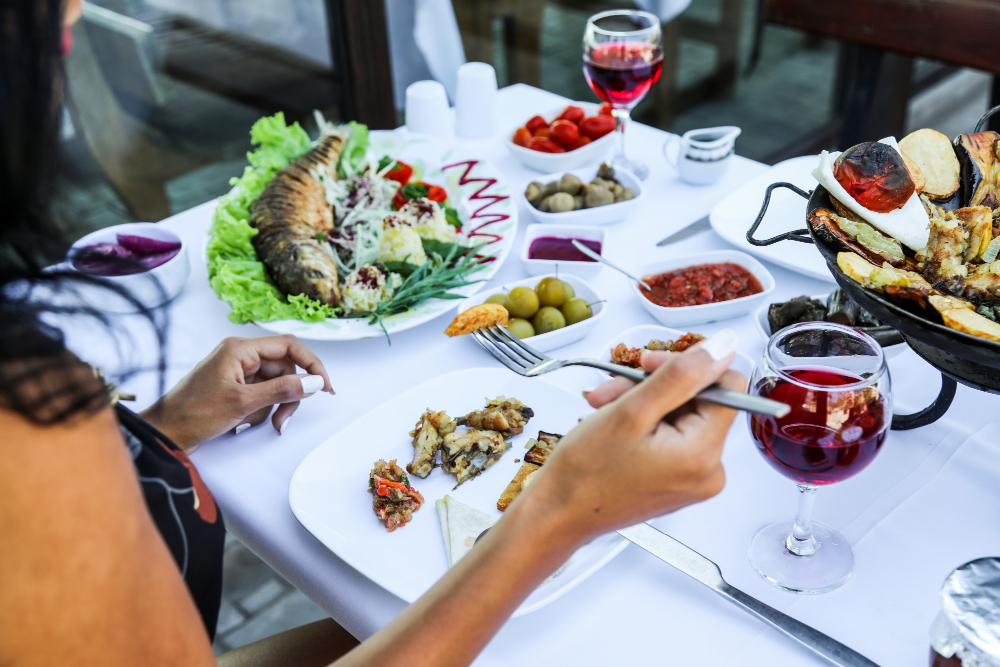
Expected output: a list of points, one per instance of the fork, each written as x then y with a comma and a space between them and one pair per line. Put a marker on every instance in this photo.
524, 360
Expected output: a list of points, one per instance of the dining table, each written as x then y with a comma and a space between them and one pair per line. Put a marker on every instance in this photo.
929, 502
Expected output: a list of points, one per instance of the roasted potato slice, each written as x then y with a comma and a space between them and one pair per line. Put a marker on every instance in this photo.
935, 157
917, 176
942, 303
855, 266
969, 321
478, 317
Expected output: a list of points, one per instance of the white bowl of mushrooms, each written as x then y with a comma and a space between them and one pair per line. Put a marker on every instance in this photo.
585, 196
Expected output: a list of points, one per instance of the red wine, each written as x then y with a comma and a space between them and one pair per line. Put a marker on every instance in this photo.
621, 73
828, 436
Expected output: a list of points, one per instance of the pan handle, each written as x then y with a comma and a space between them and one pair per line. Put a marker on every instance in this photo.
986, 116
800, 235
932, 412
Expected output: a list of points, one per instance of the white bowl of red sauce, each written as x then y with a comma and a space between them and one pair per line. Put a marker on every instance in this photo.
148, 260
549, 249
704, 287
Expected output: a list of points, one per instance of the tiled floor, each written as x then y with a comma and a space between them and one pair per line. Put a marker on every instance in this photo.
256, 601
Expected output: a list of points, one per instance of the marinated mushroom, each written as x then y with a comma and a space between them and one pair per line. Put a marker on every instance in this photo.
533, 193
570, 184
561, 202
598, 197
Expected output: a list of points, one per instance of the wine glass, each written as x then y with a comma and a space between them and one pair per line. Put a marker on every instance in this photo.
622, 59
835, 379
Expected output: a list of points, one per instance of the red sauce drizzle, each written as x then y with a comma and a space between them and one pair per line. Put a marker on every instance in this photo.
700, 284
491, 218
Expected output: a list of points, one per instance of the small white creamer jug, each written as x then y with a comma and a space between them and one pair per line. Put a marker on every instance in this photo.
702, 156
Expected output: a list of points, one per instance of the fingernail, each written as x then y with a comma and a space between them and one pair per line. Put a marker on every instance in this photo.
332, 392
586, 392
312, 383
284, 424
241, 428
721, 345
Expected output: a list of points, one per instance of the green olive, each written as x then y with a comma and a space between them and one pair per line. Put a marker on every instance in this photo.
576, 310
551, 292
498, 298
520, 328
570, 292
548, 319
522, 302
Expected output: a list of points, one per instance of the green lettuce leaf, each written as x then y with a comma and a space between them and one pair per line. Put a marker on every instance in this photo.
352, 156
234, 271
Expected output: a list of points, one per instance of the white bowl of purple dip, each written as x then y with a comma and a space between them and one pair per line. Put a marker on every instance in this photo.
148, 260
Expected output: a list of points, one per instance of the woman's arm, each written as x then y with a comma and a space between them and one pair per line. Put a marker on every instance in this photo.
85, 577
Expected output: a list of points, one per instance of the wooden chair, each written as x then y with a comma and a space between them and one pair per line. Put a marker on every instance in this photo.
884, 38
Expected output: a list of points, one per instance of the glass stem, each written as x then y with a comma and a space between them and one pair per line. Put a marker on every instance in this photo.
801, 541
621, 118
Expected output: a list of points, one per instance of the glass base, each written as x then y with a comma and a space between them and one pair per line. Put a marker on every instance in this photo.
640, 169
826, 569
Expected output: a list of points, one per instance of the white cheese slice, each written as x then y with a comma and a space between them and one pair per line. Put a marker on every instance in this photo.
908, 224
460, 526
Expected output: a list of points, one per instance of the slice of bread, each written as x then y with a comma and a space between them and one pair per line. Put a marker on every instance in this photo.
521, 480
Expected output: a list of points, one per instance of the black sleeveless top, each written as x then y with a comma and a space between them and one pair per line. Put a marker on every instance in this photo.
182, 508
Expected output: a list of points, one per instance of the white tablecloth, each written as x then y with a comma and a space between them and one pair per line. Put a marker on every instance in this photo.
926, 505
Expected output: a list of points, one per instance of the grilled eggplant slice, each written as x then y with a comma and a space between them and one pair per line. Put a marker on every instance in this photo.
862, 238
428, 435
934, 156
290, 215
542, 449
978, 158
914, 299
506, 415
469, 453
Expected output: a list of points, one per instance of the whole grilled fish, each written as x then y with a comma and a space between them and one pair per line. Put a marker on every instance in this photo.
290, 215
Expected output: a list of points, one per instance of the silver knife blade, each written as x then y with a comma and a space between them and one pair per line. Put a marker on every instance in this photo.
694, 228
693, 564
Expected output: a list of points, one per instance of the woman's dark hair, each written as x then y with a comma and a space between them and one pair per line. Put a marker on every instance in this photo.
39, 378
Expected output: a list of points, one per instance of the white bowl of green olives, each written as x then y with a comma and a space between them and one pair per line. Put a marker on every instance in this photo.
546, 311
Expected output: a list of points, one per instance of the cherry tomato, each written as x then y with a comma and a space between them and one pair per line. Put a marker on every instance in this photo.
604, 110
534, 123
582, 141
522, 136
572, 114
418, 190
545, 145
564, 132
596, 127
400, 173
542, 132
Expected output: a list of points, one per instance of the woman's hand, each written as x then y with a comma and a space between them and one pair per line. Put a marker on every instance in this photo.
642, 454
236, 386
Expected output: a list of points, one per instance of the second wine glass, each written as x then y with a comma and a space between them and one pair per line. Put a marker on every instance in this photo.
622, 59
836, 381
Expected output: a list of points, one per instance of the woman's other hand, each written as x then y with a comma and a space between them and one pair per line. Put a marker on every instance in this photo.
236, 386
646, 451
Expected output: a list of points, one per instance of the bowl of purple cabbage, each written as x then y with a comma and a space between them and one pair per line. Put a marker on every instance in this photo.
145, 258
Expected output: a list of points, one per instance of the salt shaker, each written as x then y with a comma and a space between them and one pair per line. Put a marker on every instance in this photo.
476, 101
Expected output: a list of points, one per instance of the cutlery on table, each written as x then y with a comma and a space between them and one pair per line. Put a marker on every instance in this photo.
525, 360
594, 256
696, 227
693, 564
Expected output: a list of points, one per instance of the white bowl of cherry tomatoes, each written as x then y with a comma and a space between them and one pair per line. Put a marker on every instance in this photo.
564, 138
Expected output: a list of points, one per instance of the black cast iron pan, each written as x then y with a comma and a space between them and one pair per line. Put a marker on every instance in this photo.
971, 360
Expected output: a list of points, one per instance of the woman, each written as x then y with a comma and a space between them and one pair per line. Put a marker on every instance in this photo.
111, 544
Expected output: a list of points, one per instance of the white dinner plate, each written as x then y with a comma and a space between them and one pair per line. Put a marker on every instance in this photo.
329, 489
480, 194
732, 217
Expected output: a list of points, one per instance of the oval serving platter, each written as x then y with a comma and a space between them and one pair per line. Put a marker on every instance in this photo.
480, 194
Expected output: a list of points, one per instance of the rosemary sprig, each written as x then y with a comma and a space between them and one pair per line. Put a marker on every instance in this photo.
433, 280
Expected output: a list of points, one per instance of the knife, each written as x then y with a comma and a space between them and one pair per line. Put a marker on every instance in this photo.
693, 564
692, 229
